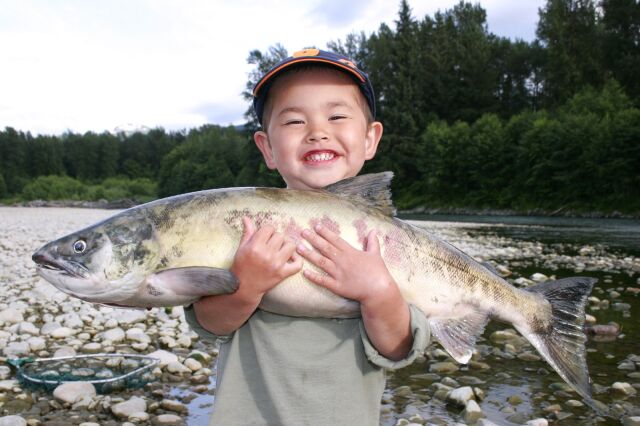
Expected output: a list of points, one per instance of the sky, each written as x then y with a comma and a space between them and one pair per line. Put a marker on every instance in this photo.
102, 65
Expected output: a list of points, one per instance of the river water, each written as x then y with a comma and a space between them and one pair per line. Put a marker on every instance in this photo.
606, 249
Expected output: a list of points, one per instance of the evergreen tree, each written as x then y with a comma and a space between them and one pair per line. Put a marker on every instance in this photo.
568, 29
621, 43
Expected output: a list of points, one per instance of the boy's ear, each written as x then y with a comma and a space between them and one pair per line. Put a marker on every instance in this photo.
262, 142
374, 134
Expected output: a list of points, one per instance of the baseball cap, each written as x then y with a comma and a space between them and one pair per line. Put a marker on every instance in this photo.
312, 55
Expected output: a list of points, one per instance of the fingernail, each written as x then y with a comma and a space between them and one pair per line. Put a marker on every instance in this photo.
317, 227
301, 247
305, 233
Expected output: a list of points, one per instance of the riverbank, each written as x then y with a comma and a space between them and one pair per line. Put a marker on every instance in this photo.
505, 383
420, 211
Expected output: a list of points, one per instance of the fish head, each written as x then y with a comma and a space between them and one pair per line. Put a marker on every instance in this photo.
104, 263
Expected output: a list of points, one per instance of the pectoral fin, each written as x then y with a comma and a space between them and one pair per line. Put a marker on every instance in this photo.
195, 281
458, 336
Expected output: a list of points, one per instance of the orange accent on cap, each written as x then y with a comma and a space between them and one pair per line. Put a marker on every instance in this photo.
306, 52
347, 62
305, 59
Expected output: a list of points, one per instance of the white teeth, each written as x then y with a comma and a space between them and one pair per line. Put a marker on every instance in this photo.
324, 156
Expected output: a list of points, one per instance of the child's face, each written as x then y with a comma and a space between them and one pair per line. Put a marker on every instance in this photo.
317, 132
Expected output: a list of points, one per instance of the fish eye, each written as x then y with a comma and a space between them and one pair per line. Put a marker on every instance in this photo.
79, 246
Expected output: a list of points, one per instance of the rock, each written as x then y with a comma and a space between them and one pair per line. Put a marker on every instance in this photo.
12, 421
167, 420
11, 316
8, 385
177, 367
5, 372
627, 421
165, 357
27, 328
172, 405
72, 391
537, 422
445, 367
574, 403
64, 351
124, 409
137, 335
16, 349
528, 356
624, 388
131, 316
203, 357
461, 395
36, 344
192, 364
91, 348
472, 412
539, 278
138, 417
503, 336
114, 335
62, 332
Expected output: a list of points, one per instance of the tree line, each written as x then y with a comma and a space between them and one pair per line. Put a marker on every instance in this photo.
471, 119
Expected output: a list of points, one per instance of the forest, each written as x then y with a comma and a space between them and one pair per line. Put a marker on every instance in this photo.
473, 121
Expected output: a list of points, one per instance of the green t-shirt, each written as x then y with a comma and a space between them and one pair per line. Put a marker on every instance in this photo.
280, 370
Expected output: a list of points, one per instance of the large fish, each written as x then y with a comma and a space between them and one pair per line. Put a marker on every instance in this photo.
175, 250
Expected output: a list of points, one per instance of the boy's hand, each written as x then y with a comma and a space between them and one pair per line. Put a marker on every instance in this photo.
350, 273
264, 258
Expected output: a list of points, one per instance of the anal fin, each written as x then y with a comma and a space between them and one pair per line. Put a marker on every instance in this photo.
197, 281
458, 335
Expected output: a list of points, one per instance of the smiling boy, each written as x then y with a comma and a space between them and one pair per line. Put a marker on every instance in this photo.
317, 113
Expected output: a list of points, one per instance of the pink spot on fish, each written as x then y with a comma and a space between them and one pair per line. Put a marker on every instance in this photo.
393, 250
326, 222
362, 230
292, 229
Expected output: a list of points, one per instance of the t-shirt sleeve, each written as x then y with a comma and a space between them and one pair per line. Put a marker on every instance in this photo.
421, 339
206, 335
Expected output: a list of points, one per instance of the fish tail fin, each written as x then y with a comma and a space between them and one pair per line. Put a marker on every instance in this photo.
562, 341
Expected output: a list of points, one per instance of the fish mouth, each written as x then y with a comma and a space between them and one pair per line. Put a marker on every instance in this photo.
68, 268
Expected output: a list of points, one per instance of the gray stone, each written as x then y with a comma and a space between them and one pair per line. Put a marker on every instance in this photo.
472, 412
537, 422
462, 395
16, 349
445, 367
631, 421
12, 421
73, 391
114, 335
167, 420
165, 357
624, 388
124, 409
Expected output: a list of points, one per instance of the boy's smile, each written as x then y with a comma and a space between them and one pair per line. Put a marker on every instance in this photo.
316, 129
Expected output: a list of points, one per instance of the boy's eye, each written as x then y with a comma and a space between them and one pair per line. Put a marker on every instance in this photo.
336, 117
288, 122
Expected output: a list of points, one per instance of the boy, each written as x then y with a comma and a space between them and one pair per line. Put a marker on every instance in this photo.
317, 113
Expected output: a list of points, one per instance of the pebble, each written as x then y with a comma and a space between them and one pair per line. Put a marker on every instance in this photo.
172, 405
461, 395
445, 367
472, 412
624, 388
125, 409
537, 422
631, 421
72, 391
12, 421
167, 420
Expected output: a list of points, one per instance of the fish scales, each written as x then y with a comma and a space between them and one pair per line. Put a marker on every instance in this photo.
175, 250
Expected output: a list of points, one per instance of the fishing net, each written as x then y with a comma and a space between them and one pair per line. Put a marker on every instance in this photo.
107, 372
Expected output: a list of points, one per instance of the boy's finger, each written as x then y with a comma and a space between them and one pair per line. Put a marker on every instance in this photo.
320, 279
248, 229
330, 236
373, 243
321, 244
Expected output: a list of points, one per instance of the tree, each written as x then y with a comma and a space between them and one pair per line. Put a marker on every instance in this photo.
568, 30
621, 43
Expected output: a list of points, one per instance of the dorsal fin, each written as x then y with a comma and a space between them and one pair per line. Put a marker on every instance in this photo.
373, 189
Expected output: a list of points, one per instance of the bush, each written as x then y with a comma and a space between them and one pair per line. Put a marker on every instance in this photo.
54, 187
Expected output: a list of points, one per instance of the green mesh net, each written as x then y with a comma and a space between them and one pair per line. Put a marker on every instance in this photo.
107, 372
